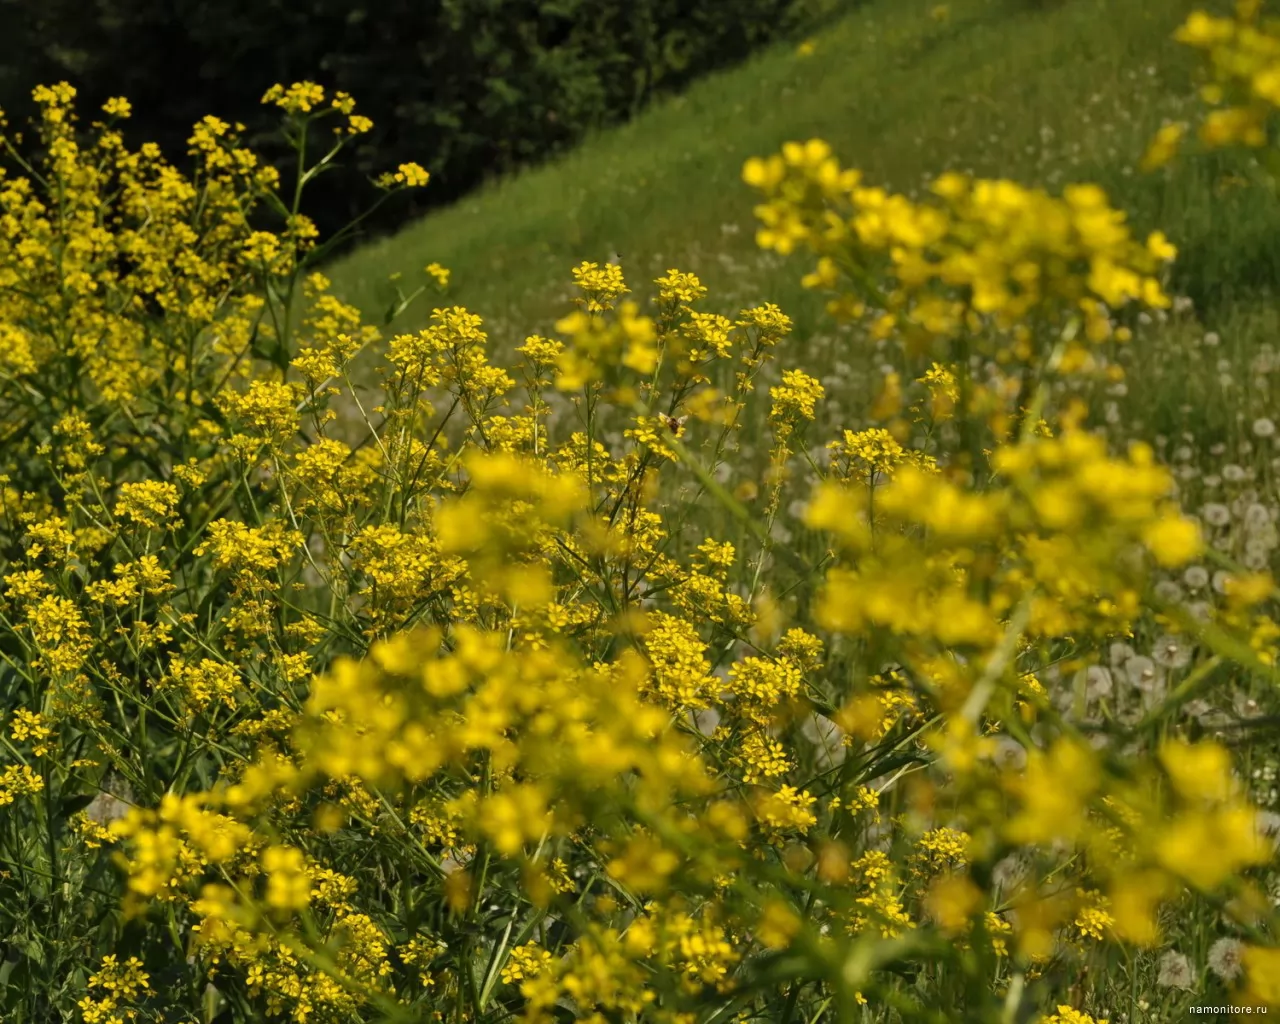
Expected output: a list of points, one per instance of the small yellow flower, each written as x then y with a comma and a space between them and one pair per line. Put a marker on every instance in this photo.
1164, 147
412, 175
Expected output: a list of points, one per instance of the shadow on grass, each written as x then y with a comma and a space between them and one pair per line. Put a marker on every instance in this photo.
949, 32
1216, 277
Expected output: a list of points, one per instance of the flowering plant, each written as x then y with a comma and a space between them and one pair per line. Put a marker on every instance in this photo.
480, 694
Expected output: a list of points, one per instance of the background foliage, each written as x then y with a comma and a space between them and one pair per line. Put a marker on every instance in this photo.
468, 88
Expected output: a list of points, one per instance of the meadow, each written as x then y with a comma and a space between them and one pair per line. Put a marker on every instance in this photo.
855, 603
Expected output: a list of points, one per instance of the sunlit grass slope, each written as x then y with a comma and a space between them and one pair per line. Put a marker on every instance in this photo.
900, 90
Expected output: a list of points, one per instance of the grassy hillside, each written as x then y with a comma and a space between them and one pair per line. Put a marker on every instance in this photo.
902, 90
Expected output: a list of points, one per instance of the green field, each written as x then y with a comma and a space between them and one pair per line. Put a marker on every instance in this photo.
1043, 96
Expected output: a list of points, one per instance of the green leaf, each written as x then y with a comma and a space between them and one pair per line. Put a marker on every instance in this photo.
212, 1003
30, 948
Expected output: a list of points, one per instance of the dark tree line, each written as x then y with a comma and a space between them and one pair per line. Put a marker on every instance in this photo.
467, 88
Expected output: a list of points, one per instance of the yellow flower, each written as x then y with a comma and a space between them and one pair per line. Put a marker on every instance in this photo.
1066, 1015
150, 503
288, 881
795, 399
1262, 976
1200, 772
1164, 147
299, 98
952, 901
1203, 30
778, 925
526, 961
1173, 540
786, 810
412, 175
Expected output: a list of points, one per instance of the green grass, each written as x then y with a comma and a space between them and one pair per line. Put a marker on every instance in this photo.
1041, 96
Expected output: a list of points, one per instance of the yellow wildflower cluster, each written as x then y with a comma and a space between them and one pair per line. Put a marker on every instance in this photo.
982, 256
1243, 58
467, 700
870, 455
